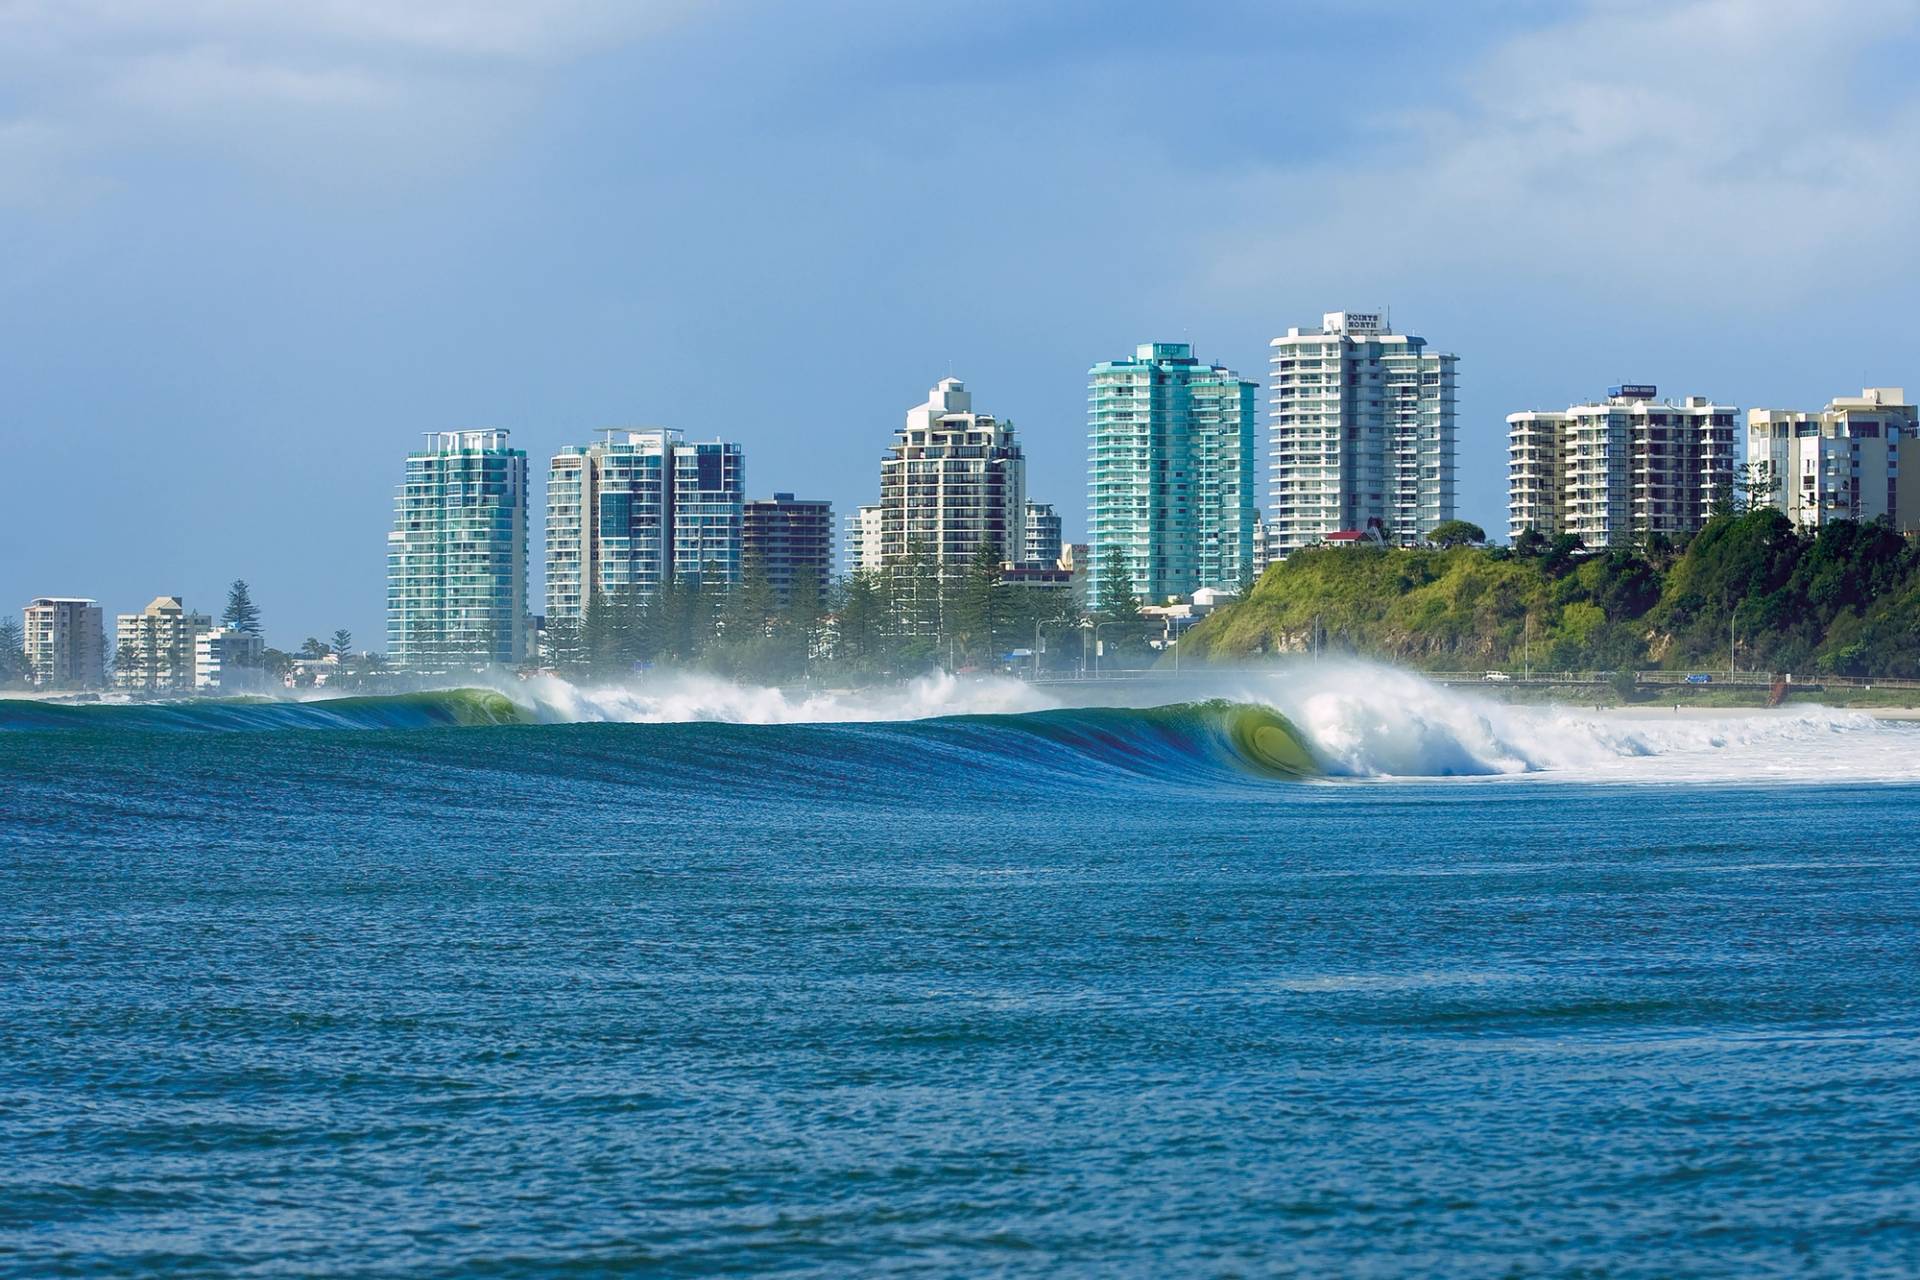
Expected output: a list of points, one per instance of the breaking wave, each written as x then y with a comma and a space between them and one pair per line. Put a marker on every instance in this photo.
1337, 719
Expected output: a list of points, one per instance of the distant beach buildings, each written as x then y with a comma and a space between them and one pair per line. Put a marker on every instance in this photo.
228, 660
1170, 475
864, 541
953, 481
65, 642
638, 510
1842, 462
788, 542
1361, 443
457, 555
1362, 431
1044, 544
1619, 468
155, 649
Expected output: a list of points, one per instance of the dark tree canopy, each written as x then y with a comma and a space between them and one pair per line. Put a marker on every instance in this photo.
1456, 533
241, 614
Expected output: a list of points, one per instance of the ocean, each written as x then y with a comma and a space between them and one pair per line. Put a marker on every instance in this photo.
1320, 972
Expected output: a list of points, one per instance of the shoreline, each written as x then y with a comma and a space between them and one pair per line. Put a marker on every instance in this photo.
1653, 710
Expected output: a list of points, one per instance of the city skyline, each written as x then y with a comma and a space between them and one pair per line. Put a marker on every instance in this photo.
537, 546
259, 326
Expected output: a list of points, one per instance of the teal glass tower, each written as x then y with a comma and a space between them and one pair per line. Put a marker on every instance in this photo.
1170, 474
457, 556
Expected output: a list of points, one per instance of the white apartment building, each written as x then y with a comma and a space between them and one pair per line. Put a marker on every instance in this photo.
1361, 424
954, 479
1044, 538
1613, 470
639, 509
229, 661
65, 642
1842, 463
155, 648
864, 541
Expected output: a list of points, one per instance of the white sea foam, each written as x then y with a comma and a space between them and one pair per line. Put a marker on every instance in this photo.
680, 697
1362, 719
1374, 721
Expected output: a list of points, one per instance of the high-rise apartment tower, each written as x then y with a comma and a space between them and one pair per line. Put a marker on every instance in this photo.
457, 556
1614, 470
953, 480
639, 509
789, 542
1362, 431
1170, 460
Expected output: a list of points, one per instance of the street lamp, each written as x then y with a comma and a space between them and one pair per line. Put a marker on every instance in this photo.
1733, 609
1090, 631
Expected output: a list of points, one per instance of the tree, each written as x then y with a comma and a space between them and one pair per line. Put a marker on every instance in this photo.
564, 650
1755, 486
1560, 553
980, 601
916, 598
343, 643
314, 647
864, 621
798, 629
1117, 599
133, 660
241, 613
14, 668
1456, 533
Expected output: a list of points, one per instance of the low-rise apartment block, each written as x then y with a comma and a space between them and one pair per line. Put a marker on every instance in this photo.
229, 661
155, 649
1841, 463
65, 642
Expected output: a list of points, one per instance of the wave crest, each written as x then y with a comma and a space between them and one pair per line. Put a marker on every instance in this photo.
1342, 719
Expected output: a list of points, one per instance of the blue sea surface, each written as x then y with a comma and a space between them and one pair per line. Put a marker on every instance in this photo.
935, 999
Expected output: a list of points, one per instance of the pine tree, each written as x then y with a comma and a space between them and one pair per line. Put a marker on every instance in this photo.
133, 660
862, 628
1117, 599
799, 623
343, 643
14, 668
241, 614
980, 602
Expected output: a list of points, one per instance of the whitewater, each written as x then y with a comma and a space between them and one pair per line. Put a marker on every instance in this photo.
1362, 720
1356, 720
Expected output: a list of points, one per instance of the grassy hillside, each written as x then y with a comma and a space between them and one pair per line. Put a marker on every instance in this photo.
1844, 603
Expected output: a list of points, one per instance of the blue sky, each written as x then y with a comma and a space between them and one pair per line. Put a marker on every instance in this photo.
249, 252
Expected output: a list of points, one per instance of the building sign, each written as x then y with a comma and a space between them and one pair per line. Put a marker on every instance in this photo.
1633, 391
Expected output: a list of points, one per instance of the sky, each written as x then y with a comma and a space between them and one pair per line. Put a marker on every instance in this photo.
249, 252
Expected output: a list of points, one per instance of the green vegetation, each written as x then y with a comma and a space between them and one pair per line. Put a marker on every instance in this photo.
903, 620
1844, 602
1456, 533
15, 672
241, 613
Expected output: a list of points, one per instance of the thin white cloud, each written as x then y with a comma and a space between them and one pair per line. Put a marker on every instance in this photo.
1707, 144
85, 78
